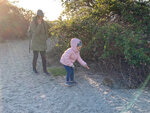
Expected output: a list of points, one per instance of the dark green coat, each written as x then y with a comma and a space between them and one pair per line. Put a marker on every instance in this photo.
38, 34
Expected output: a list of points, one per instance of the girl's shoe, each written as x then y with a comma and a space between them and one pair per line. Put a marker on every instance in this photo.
68, 84
73, 82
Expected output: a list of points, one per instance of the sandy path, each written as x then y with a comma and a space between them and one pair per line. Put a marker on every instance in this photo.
21, 91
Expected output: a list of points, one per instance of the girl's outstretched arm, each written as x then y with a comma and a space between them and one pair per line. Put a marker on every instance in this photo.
81, 61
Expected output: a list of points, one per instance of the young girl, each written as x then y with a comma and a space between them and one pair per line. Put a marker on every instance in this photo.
69, 57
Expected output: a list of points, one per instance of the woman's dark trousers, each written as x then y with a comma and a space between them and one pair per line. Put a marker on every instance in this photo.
35, 57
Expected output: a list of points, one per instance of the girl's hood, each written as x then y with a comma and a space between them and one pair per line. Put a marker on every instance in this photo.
74, 43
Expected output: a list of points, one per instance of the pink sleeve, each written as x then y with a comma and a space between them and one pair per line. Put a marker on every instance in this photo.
81, 61
67, 58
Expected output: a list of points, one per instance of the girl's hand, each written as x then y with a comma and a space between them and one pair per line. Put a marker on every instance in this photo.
87, 67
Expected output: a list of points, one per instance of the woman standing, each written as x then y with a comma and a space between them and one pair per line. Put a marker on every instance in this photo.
38, 31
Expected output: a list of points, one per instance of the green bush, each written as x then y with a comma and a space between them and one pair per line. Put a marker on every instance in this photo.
123, 41
115, 41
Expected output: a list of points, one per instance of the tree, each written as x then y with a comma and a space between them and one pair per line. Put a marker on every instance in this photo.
14, 21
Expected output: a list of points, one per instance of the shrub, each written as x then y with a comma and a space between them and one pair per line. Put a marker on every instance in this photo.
121, 44
14, 21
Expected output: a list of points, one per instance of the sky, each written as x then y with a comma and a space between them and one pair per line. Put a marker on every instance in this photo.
51, 8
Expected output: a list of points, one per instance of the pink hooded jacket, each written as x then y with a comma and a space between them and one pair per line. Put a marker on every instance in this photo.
72, 54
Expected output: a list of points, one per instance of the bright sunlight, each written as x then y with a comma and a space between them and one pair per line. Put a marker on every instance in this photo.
51, 8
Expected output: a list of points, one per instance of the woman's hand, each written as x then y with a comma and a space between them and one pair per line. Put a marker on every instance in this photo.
39, 21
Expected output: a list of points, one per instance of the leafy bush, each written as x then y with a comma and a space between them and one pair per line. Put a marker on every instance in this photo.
121, 44
14, 21
113, 40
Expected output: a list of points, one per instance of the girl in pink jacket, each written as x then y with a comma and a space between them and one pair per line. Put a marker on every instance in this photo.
69, 57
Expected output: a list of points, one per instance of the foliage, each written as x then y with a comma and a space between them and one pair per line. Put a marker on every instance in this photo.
117, 41
14, 21
111, 30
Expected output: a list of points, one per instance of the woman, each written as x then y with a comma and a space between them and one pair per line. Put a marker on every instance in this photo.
38, 31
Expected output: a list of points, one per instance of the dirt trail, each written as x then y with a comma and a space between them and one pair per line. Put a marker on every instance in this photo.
21, 91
